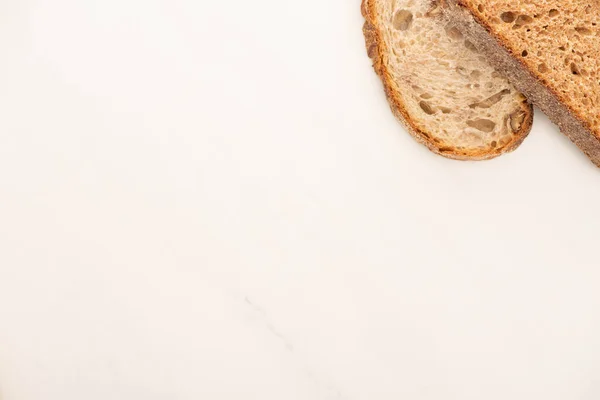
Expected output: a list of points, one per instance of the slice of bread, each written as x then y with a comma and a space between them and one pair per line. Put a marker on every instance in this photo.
550, 50
444, 92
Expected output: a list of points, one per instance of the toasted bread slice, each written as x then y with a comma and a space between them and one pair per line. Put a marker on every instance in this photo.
550, 50
444, 92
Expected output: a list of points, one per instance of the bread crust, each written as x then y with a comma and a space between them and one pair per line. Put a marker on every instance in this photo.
376, 47
527, 81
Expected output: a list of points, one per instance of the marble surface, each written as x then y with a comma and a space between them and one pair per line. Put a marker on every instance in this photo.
211, 200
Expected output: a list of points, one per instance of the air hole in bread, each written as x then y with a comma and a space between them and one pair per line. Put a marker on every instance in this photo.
522, 20
490, 101
504, 140
553, 13
483, 125
454, 33
480, 8
426, 108
583, 31
435, 10
402, 20
575, 69
470, 46
524, 53
462, 70
516, 120
508, 17
475, 74
542, 68
426, 96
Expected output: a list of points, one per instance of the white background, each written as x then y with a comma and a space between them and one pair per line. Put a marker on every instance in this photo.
211, 200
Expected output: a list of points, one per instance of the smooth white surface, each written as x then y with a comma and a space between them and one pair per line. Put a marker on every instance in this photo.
211, 200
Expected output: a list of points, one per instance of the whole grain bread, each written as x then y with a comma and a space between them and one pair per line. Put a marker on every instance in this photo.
445, 93
550, 50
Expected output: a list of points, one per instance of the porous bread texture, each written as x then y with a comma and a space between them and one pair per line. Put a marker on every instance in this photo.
550, 50
439, 86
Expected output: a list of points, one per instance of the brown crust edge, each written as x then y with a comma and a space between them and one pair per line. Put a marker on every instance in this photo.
525, 80
375, 49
